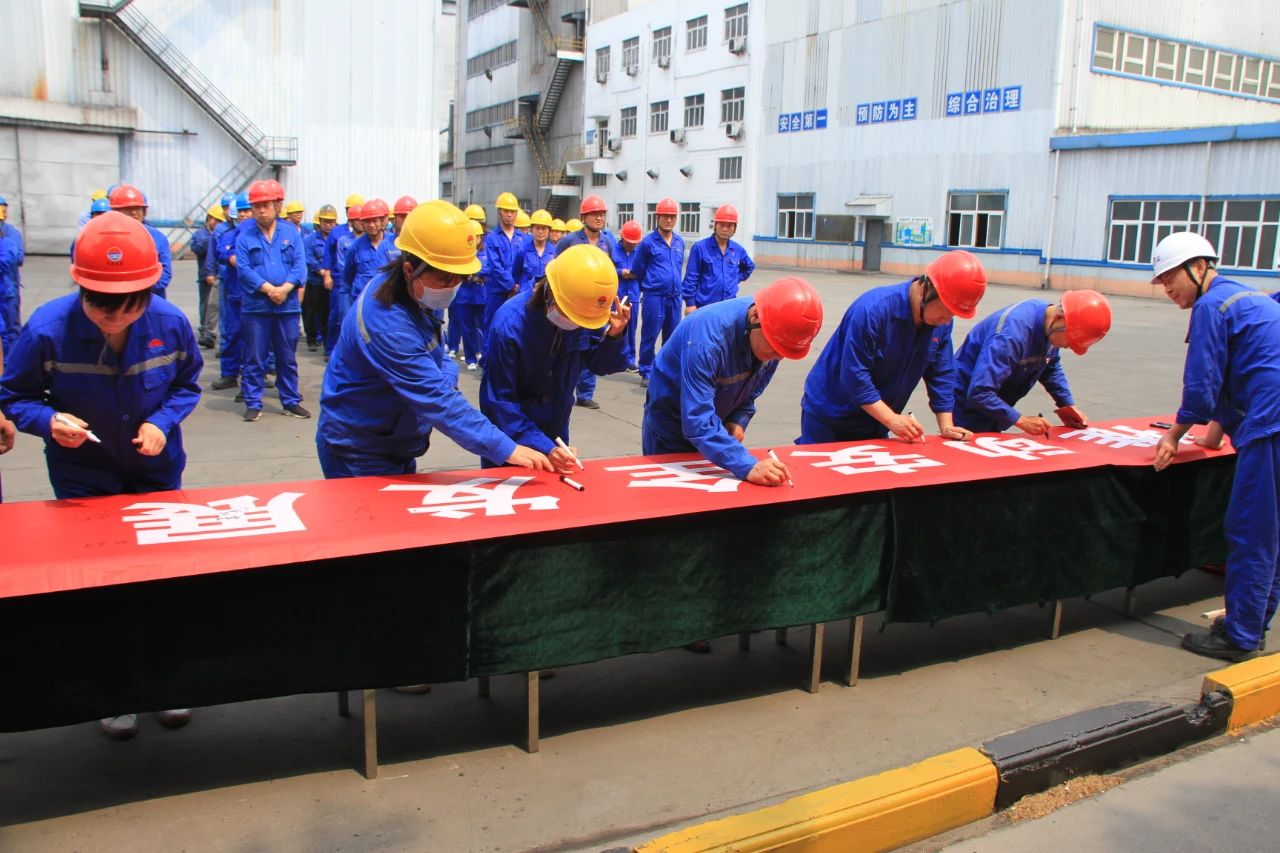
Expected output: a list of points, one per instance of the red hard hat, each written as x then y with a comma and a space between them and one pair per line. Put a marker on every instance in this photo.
1088, 317
126, 196
277, 190
631, 231
373, 208
667, 207
115, 254
405, 204
355, 211
726, 213
592, 204
790, 315
260, 191
959, 280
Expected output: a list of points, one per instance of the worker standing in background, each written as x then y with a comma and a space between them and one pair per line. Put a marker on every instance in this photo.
592, 233
370, 251
206, 254
717, 264
12, 256
340, 295
315, 310
532, 261
500, 249
229, 292
628, 287
132, 202
659, 266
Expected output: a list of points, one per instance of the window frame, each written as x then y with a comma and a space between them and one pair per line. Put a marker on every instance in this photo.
659, 114
795, 218
662, 41
631, 54
735, 21
690, 215
695, 32
733, 104
1222, 221
630, 115
626, 211
604, 58
695, 113
726, 165
979, 219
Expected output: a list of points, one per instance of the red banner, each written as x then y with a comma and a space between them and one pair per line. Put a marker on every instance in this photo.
52, 546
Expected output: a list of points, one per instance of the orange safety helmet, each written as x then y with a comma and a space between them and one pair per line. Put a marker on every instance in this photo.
355, 211
115, 254
405, 204
790, 312
373, 208
126, 196
277, 190
667, 207
592, 204
960, 280
260, 191
632, 232
1088, 317
726, 213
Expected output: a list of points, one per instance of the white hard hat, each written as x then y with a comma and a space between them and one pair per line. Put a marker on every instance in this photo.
1178, 248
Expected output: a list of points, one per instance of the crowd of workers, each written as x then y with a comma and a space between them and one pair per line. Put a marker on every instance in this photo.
105, 375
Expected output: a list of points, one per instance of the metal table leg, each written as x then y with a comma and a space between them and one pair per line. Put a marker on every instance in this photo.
816, 633
855, 650
1130, 601
344, 704
531, 706
370, 735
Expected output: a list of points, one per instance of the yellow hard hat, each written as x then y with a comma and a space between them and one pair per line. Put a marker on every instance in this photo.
294, 207
327, 211
573, 225
584, 283
507, 201
522, 220
217, 213
477, 228
354, 199
440, 234
97, 194
476, 212
541, 217
558, 225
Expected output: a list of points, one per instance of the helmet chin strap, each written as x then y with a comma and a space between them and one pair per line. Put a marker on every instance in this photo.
928, 294
1199, 282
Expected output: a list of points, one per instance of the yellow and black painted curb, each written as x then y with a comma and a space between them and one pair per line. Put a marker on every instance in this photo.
947, 791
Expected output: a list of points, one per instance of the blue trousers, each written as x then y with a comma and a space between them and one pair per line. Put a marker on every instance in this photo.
659, 314
586, 384
339, 304
493, 300
815, 430
10, 318
1252, 528
267, 335
337, 465
467, 320
161, 473
232, 340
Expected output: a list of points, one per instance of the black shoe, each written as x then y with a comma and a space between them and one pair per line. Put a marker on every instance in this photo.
631, 368
312, 346
297, 411
206, 343
1219, 626
251, 415
587, 403
702, 647
222, 383
240, 397
1213, 645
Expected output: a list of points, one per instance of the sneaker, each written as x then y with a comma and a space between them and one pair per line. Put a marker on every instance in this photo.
1213, 645
251, 415
122, 727
175, 719
297, 411
471, 366
414, 688
206, 343
586, 403
1219, 626
702, 647
451, 353
222, 383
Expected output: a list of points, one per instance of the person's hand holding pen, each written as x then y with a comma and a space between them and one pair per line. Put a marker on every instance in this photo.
906, 427
70, 431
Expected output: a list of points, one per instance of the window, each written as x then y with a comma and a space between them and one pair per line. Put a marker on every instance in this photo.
662, 46
480, 157
1168, 60
631, 54
975, 220
628, 128
695, 34
602, 64
735, 22
503, 54
730, 168
733, 104
476, 8
651, 216
690, 217
490, 116
795, 215
693, 109
599, 179
446, 189
626, 212
658, 117
1242, 230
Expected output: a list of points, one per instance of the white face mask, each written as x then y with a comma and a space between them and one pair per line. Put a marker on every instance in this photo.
559, 320
437, 299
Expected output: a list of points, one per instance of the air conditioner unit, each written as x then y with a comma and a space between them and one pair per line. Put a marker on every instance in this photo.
632, 70
614, 145
738, 44
733, 130
664, 60
677, 136
602, 76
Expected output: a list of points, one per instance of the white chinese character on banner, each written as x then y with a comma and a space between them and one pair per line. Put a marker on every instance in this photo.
994, 447
699, 474
240, 516
462, 500
869, 459
1121, 436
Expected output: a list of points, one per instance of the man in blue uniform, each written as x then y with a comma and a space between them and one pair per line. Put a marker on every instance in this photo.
340, 295
370, 251
225, 237
624, 254
592, 233
658, 265
315, 310
132, 202
1231, 381
12, 256
500, 249
717, 264
1006, 354
888, 339
206, 255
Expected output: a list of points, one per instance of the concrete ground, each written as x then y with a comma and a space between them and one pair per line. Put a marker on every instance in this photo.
631, 747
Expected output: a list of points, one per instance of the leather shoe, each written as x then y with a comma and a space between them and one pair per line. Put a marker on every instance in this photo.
1213, 645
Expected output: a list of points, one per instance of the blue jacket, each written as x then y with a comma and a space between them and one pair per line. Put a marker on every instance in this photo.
12, 255
61, 363
704, 377
338, 232
622, 260
200, 248
605, 243
225, 236
388, 384
1232, 373
1000, 361
363, 260
877, 353
530, 266
317, 255
278, 261
531, 369
658, 266
471, 291
500, 277
166, 259
712, 276
341, 249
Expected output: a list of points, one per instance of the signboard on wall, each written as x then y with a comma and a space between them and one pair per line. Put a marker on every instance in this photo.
802, 121
913, 231
978, 101
878, 112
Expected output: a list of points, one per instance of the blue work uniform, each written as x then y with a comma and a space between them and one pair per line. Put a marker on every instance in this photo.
500, 276
531, 266
388, 385
229, 298
340, 298
705, 378
605, 243
658, 267
166, 260
364, 260
315, 308
531, 368
270, 329
206, 265
12, 256
466, 314
62, 363
713, 276
1000, 361
630, 289
1232, 375
877, 353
